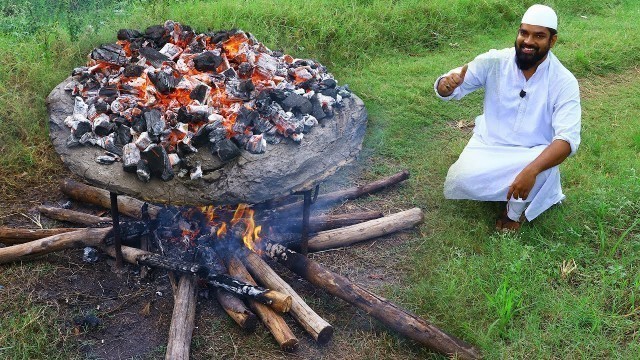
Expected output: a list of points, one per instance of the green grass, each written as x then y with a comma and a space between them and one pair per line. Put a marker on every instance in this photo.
505, 293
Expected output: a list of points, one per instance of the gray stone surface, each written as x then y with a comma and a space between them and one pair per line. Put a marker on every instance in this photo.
251, 178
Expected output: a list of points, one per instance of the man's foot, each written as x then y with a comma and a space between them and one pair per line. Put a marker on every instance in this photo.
504, 223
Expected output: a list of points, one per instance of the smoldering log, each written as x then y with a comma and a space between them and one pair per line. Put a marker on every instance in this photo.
349, 194
390, 314
74, 239
183, 319
93, 195
315, 325
226, 282
72, 216
235, 308
13, 236
272, 320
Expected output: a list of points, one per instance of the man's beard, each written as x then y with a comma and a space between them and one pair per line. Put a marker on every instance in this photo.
526, 61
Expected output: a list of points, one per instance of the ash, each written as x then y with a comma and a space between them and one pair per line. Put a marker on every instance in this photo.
156, 96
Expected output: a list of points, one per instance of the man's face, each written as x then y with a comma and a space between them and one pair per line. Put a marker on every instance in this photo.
532, 45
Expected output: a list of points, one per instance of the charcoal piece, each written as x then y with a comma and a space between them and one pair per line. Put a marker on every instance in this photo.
72, 141
164, 83
123, 135
272, 139
142, 171
239, 90
79, 107
246, 86
256, 144
344, 91
196, 173
241, 139
297, 104
81, 127
130, 157
207, 61
226, 149
330, 92
201, 136
129, 90
184, 116
133, 70
88, 138
158, 161
119, 120
110, 53
245, 69
153, 56
328, 84
158, 34
101, 106
105, 160
155, 123
185, 148
308, 121
139, 124
230, 73
247, 117
128, 34
103, 127
143, 141
90, 255
218, 36
278, 96
111, 146
317, 111
199, 93
262, 125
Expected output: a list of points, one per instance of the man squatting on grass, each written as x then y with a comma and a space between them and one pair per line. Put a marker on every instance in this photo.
531, 123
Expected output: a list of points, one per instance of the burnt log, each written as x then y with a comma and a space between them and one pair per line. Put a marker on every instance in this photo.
183, 319
93, 195
72, 216
390, 314
272, 320
235, 308
316, 326
12, 236
349, 194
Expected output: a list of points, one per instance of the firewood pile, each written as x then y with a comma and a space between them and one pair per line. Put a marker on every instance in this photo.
225, 249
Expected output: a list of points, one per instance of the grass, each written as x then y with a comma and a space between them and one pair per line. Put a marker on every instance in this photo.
506, 293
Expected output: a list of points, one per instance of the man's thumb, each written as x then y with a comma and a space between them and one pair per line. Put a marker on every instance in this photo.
463, 72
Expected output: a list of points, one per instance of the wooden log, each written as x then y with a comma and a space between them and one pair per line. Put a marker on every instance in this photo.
313, 324
390, 314
366, 230
72, 216
73, 239
324, 222
272, 320
12, 236
93, 195
349, 194
183, 319
236, 309
226, 282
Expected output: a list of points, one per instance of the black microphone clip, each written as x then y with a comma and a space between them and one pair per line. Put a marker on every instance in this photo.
522, 93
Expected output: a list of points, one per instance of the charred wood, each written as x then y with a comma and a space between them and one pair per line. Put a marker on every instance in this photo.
72, 216
236, 309
390, 314
315, 325
272, 320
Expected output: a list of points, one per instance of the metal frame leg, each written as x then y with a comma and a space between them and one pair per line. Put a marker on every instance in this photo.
309, 198
115, 216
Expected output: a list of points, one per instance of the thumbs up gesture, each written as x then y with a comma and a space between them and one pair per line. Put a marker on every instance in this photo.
450, 82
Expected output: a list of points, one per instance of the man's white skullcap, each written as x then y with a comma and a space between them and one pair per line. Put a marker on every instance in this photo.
541, 15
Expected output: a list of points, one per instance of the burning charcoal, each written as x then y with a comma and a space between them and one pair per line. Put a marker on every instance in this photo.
199, 93
272, 139
330, 92
309, 121
130, 157
133, 70
196, 173
219, 36
158, 34
201, 137
110, 53
239, 89
155, 124
123, 135
328, 84
88, 138
246, 118
230, 73
207, 61
184, 116
90, 255
158, 161
139, 124
79, 107
153, 56
174, 159
142, 171
226, 149
245, 69
108, 92
171, 51
128, 34
102, 126
81, 127
106, 159
100, 107
297, 137
297, 104
109, 143
199, 113
143, 141
185, 147
165, 83
287, 123
256, 144
317, 110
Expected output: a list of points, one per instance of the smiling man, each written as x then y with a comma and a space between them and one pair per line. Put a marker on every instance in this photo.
530, 124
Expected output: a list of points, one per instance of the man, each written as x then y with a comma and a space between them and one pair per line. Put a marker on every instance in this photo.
530, 124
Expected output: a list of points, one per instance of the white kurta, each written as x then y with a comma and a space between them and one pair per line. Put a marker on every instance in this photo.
514, 130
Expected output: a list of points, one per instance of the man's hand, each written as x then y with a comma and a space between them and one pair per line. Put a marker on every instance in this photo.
450, 82
522, 185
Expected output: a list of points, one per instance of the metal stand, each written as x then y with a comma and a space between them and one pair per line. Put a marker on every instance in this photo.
309, 198
115, 216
